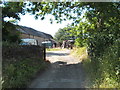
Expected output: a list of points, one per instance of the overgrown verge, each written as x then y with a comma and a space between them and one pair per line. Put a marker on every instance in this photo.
21, 65
54, 49
104, 71
19, 73
80, 53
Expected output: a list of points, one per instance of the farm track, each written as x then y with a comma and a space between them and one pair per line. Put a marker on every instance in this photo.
64, 72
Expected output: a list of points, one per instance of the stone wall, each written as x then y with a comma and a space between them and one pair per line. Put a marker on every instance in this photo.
24, 51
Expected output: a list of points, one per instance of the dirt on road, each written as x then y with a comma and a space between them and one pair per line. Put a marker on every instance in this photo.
64, 72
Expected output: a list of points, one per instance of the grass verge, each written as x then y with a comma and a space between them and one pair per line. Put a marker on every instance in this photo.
54, 49
104, 71
80, 53
19, 73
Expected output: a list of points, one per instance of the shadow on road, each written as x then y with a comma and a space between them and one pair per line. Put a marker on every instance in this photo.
68, 75
62, 75
64, 72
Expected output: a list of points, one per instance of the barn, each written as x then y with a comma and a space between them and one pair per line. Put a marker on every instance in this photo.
30, 33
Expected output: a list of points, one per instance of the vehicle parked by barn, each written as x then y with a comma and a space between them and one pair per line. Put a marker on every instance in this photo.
28, 41
47, 44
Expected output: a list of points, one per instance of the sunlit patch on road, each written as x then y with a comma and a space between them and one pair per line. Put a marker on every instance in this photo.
61, 56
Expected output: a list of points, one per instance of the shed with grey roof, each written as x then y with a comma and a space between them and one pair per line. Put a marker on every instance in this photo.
27, 32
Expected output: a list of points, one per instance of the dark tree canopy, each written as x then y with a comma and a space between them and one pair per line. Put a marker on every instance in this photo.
100, 17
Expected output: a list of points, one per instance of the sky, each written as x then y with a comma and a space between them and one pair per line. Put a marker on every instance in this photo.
42, 25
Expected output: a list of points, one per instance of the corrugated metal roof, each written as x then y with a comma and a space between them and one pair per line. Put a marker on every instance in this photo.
31, 31
21, 30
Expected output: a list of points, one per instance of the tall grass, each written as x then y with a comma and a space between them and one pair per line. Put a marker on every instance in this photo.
54, 49
80, 53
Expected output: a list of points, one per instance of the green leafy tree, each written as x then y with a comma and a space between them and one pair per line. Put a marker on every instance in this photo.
11, 10
99, 30
64, 34
102, 17
105, 23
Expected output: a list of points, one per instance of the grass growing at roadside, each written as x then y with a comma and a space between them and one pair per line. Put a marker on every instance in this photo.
19, 74
54, 49
104, 71
80, 53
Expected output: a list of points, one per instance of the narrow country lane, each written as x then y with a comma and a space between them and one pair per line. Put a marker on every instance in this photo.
65, 72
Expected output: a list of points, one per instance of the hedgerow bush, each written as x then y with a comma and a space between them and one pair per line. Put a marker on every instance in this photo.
110, 66
20, 64
20, 73
104, 70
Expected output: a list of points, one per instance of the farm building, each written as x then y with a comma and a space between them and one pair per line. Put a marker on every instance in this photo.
30, 33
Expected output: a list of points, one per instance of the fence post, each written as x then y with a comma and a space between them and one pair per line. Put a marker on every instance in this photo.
44, 51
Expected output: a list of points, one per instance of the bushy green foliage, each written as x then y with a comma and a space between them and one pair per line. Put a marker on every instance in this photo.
99, 32
105, 70
64, 34
20, 64
9, 33
11, 10
19, 73
8, 44
110, 65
